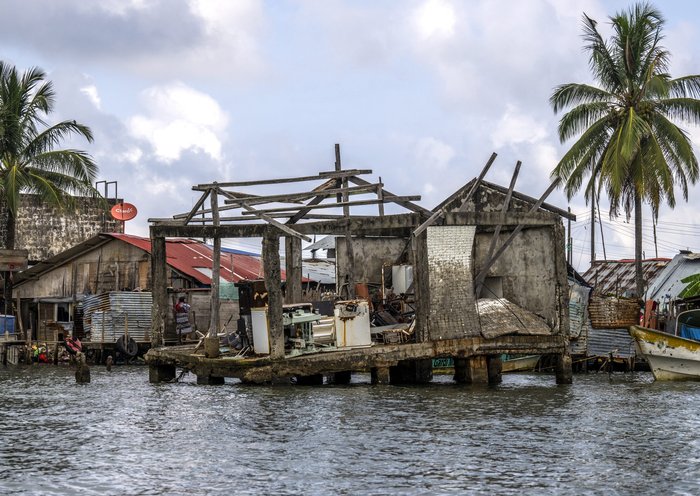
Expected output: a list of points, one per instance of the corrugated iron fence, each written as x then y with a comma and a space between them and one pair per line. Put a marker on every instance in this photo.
108, 316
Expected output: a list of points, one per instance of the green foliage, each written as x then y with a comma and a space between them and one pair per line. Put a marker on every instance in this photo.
29, 159
628, 144
693, 286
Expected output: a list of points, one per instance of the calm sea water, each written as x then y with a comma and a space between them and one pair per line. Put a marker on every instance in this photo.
122, 435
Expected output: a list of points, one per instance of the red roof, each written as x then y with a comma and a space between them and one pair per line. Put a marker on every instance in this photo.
187, 255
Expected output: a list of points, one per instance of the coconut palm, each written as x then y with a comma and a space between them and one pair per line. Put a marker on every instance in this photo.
628, 143
29, 159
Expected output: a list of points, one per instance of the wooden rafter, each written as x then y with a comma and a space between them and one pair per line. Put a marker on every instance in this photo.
320, 176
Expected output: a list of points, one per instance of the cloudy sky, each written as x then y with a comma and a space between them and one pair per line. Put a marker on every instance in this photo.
420, 91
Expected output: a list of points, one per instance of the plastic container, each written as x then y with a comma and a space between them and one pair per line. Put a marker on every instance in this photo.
7, 324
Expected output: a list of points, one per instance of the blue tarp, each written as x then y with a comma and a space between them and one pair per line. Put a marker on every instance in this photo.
690, 332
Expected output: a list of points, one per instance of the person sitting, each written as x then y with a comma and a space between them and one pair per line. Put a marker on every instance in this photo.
182, 318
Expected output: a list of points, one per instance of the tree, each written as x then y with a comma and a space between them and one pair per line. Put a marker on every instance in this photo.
29, 159
629, 144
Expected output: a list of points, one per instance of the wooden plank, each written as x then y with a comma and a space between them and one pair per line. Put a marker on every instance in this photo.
404, 203
273, 283
293, 197
349, 251
196, 207
479, 281
270, 220
320, 176
342, 204
440, 212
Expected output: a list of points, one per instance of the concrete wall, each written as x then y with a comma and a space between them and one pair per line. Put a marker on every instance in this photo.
452, 312
370, 254
45, 231
527, 270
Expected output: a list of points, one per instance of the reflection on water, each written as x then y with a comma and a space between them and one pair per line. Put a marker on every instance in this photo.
122, 435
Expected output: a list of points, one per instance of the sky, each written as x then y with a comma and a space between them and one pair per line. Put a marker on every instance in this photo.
185, 92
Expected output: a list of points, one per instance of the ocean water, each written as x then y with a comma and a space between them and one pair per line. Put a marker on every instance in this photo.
619, 434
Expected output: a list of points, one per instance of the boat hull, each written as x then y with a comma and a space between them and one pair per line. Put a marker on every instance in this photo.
671, 358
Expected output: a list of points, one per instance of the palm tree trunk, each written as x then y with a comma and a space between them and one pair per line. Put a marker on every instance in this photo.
9, 245
638, 274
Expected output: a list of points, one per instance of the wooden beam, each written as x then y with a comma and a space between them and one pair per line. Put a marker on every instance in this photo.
196, 207
440, 212
342, 204
270, 220
349, 251
320, 176
214, 320
291, 197
395, 199
292, 259
489, 263
315, 201
479, 281
159, 284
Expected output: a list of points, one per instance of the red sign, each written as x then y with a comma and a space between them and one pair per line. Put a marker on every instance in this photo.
123, 211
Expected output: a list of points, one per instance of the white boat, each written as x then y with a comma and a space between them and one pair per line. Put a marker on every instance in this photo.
672, 357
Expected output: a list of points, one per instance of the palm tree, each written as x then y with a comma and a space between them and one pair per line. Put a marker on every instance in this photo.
628, 143
29, 160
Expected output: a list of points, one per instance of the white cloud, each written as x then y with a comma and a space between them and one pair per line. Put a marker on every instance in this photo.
179, 118
435, 19
433, 154
92, 94
515, 127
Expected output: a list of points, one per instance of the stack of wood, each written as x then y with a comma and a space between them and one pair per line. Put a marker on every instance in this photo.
610, 312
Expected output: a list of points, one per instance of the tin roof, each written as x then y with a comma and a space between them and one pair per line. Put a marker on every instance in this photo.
194, 259
189, 257
668, 284
616, 277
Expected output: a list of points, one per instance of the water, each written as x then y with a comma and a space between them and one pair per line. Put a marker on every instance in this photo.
122, 435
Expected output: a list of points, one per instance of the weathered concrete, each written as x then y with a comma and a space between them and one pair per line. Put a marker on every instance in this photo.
161, 373
211, 347
292, 258
380, 375
45, 231
495, 368
265, 370
369, 254
563, 369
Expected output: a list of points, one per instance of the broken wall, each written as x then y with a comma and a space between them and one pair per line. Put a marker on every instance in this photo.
452, 311
369, 255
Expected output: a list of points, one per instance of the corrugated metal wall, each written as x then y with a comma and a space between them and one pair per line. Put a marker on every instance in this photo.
110, 315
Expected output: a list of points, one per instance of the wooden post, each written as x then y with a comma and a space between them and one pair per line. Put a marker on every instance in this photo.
292, 251
211, 341
271, 265
349, 252
159, 291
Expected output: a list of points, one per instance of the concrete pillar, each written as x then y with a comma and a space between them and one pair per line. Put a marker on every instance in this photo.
473, 370
380, 375
412, 372
563, 369
292, 255
161, 373
420, 284
343, 377
495, 367
310, 380
271, 265
159, 292
209, 380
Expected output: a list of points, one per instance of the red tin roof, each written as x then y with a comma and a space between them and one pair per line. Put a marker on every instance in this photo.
187, 256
